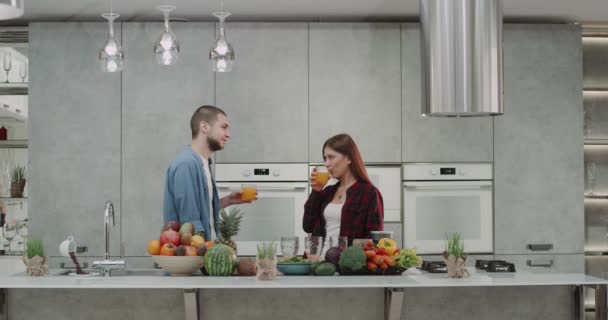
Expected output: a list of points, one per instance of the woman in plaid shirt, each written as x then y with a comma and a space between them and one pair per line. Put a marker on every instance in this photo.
350, 208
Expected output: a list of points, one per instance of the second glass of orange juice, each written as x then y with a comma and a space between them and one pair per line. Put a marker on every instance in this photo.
322, 176
248, 192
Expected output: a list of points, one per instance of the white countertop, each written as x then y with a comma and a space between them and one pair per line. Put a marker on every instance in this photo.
481, 279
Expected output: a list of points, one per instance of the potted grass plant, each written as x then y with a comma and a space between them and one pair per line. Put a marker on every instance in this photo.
17, 182
455, 257
266, 261
35, 260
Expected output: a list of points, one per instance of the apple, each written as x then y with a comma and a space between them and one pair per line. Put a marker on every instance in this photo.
197, 241
170, 236
173, 225
191, 251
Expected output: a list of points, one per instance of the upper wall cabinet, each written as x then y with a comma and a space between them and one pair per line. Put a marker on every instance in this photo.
431, 139
266, 93
157, 103
538, 159
355, 88
74, 136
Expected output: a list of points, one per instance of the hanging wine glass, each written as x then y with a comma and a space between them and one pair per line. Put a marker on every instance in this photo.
7, 63
166, 47
222, 53
23, 71
111, 56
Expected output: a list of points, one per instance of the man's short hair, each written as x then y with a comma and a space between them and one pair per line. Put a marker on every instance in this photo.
205, 113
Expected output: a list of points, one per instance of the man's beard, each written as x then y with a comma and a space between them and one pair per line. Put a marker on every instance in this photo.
214, 145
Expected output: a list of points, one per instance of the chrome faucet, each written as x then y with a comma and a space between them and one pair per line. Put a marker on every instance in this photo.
106, 265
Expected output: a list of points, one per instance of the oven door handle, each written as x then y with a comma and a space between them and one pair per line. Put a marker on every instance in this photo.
465, 187
264, 188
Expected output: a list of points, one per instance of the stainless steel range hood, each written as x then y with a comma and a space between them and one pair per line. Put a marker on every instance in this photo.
461, 47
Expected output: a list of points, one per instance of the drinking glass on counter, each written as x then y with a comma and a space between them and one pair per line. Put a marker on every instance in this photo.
322, 176
313, 247
361, 242
248, 192
340, 242
290, 246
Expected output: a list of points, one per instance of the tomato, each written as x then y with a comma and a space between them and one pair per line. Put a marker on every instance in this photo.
370, 254
372, 266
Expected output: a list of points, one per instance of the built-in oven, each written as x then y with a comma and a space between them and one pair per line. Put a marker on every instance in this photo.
387, 179
439, 199
282, 192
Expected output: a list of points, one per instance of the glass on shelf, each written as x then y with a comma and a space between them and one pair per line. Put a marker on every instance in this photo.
7, 63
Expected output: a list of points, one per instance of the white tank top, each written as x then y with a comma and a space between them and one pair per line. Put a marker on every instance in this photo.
207, 172
333, 216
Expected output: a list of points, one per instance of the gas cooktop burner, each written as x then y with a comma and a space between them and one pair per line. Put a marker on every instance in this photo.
495, 265
434, 267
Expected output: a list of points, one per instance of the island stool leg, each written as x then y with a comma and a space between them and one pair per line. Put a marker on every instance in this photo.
191, 304
601, 312
393, 301
579, 302
3, 304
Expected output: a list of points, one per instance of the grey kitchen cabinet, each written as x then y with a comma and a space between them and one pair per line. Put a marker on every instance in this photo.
355, 87
538, 142
266, 93
433, 139
74, 136
547, 263
157, 103
595, 63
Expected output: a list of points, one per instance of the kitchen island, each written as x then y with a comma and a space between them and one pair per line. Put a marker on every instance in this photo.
393, 288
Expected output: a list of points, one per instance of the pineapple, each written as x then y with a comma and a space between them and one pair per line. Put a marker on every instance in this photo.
228, 226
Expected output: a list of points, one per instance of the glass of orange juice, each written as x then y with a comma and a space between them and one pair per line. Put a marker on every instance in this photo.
322, 176
248, 192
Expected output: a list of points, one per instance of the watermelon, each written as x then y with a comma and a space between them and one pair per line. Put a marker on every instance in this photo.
220, 260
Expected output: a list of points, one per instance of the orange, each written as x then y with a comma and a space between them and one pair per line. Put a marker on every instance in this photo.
154, 247
209, 244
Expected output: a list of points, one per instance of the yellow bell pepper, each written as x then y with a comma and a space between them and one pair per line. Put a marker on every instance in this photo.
388, 245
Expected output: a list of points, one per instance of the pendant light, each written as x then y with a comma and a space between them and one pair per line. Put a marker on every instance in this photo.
166, 47
11, 9
111, 56
462, 64
222, 53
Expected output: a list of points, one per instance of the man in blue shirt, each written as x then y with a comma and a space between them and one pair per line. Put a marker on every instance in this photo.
190, 192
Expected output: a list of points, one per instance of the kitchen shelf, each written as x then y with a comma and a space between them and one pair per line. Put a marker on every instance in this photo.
13, 143
595, 89
596, 253
596, 142
14, 89
596, 196
11, 198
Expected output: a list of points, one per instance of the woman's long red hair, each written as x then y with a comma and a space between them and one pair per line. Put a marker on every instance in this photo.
344, 144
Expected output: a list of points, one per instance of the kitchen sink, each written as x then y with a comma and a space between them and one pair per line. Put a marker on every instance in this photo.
124, 272
138, 272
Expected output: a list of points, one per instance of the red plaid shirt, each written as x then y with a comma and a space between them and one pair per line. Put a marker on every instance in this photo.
362, 211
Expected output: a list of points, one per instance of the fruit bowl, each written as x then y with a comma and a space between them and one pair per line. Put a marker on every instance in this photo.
180, 266
294, 269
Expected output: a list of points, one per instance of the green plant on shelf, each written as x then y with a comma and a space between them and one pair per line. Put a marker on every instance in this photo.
18, 175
